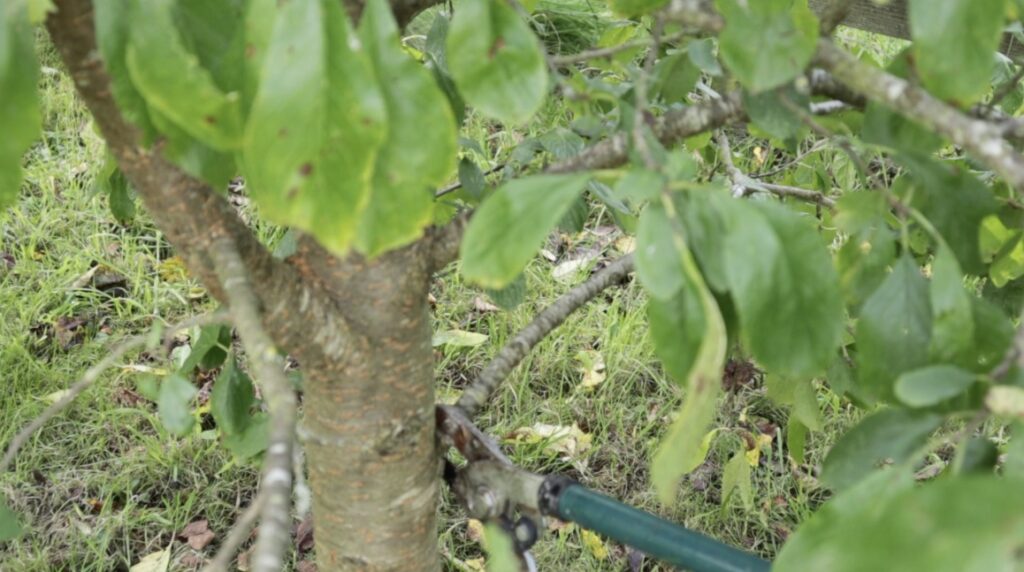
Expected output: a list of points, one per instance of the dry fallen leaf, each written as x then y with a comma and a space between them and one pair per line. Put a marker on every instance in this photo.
625, 244
483, 306
754, 454
570, 442
155, 562
197, 534
306, 566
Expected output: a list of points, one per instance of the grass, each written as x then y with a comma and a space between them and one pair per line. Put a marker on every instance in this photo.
103, 484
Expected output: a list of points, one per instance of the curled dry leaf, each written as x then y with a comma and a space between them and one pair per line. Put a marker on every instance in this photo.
155, 562
483, 306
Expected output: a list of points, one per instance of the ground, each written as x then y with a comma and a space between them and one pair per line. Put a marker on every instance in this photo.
103, 485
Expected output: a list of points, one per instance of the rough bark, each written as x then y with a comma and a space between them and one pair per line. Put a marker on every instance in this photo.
368, 428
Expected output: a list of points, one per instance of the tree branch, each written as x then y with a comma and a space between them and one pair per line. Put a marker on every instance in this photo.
187, 210
268, 365
670, 128
474, 397
982, 140
90, 377
240, 531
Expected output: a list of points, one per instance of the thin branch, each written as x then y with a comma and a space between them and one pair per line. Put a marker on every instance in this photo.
983, 140
90, 377
832, 13
743, 185
458, 184
640, 95
474, 397
671, 127
598, 53
239, 533
268, 365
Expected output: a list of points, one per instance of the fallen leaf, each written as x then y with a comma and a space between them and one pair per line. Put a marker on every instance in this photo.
306, 566
173, 270
155, 562
475, 531
200, 541
550, 256
304, 535
635, 559
570, 442
1005, 400
566, 271
475, 564
592, 367
754, 453
69, 331
85, 279
481, 305
55, 396
192, 561
594, 544
458, 339
625, 244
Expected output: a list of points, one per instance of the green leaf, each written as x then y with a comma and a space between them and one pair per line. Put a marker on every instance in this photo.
112, 182
796, 439
674, 77
1014, 463
736, 478
631, 8
639, 185
889, 435
317, 123
767, 43
785, 287
38, 9
952, 316
437, 57
863, 264
894, 329
702, 54
501, 551
681, 450
232, 397
472, 179
497, 61
419, 150
173, 82
19, 104
954, 45
955, 202
968, 524
931, 385
677, 326
527, 209
658, 264
252, 440
512, 295
769, 112
209, 349
705, 229
215, 32
174, 404
1008, 263
458, 339
113, 26
10, 528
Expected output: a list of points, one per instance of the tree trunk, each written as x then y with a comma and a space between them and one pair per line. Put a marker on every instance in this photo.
368, 428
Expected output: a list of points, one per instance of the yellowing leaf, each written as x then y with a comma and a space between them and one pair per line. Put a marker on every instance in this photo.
754, 454
173, 270
592, 367
155, 562
570, 442
458, 339
594, 544
475, 532
1006, 400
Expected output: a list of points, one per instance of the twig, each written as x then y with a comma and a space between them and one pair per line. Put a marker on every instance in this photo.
458, 184
743, 185
276, 483
640, 95
240, 531
516, 349
983, 140
606, 52
90, 377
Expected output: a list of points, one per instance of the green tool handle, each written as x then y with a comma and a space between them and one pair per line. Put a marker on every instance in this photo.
651, 535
